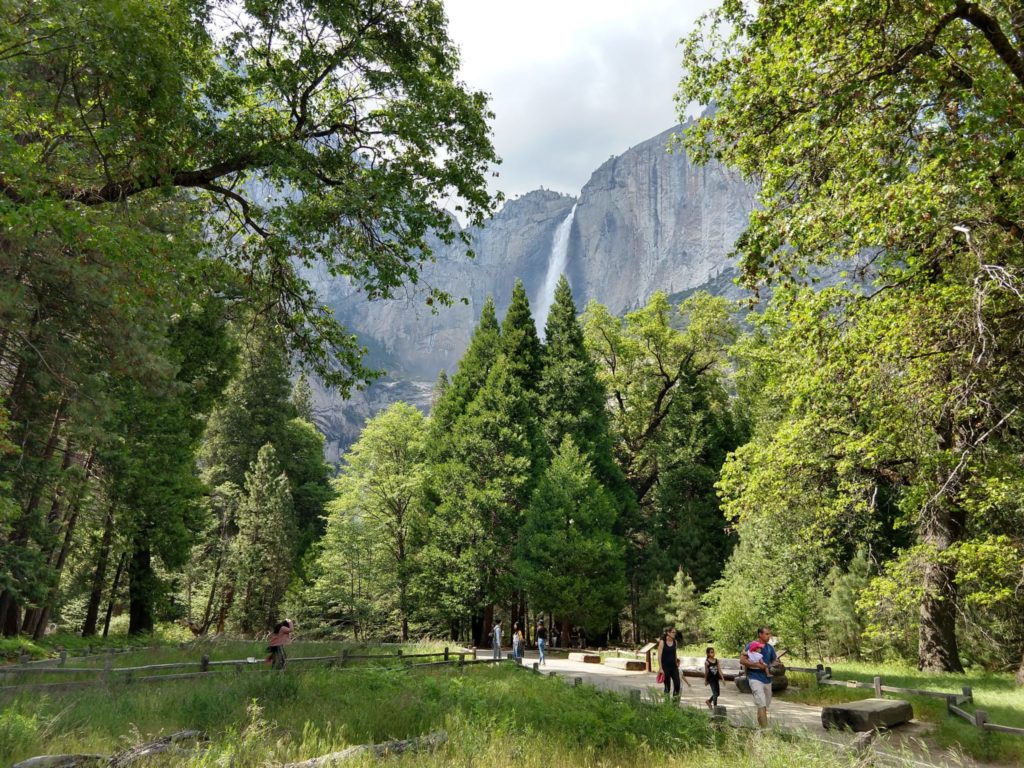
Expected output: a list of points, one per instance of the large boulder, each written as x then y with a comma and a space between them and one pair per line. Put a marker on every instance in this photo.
779, 683
867, 714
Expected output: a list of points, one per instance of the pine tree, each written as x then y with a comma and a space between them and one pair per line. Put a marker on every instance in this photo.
262, 552
302, 398
682, 607
470, 377
572, 397
254, 411
519, 341
482, 490
569, 560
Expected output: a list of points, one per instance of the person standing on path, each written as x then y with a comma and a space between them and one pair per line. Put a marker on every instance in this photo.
713, 677
759, 674
496, 640
542, 640
669, 660
281, 636
517, 642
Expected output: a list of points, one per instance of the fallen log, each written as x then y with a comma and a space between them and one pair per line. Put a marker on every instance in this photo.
159, 746
62, 761
430, 741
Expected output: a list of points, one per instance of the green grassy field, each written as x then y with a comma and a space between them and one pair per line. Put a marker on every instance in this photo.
492, 716
997, 694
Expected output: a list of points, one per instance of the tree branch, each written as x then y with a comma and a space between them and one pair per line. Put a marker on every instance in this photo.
989, 27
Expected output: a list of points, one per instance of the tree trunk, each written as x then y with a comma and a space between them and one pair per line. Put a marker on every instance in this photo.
941, 526
12, 620
99, 576
113, 593
141, 589
1020, 672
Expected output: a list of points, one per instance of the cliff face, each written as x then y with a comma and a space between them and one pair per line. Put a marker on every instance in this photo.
647, 220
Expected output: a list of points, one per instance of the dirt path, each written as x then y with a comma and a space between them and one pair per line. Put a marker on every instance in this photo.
910, 744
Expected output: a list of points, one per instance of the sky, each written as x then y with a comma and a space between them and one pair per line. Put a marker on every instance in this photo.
571, 82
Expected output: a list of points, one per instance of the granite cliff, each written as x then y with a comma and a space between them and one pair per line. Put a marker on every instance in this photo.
646, 220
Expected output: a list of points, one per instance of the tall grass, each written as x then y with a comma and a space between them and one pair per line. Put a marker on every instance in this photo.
493, 716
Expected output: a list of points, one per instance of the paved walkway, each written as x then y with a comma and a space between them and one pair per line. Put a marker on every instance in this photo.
909, 744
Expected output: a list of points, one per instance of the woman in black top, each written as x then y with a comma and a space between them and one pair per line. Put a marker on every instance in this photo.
712, 676
542, 639
669, 661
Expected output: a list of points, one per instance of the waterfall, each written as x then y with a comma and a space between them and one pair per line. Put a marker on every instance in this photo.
556, 266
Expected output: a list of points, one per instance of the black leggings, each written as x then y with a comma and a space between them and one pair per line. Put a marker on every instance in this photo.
715, 690
672, 680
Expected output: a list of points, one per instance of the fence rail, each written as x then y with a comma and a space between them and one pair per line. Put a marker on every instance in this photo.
208, 668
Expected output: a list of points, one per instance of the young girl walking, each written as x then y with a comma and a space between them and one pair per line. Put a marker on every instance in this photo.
712, 677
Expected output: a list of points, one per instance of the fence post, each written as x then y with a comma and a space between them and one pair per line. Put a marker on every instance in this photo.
828, 673
341, 657
819, 673
577, 682
63, 657
107, 664
446, 653
462, 659
878, 687
968, 693
204, 663
536, 666
635, 695
980, 718
23, 658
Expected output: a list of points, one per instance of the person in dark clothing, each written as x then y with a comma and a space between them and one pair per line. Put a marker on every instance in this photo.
542, 640
669, 660
712, 677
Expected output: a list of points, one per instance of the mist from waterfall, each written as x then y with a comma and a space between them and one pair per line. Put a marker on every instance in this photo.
556, 266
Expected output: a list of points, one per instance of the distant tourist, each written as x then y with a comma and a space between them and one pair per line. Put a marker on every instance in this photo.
279, 638
712, 676
542, 640
518, 641
757, 659
496, 640
669, 660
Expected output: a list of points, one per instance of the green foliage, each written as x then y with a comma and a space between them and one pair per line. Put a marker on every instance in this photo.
519, 342
900, 162
261, 556
569, 561
844, 624
370, 527
683, 608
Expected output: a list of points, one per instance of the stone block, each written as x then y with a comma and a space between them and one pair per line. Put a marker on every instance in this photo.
585, 658
867, 715
632, 665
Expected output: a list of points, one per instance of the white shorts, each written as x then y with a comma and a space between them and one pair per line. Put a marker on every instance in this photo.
762, 692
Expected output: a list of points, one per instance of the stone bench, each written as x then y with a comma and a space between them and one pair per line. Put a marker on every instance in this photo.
867, 714
631, 665
585, 658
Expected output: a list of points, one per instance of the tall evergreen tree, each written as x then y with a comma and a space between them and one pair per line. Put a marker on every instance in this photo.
483, 489
262, 552
573, 400
569, 560
470, 377
519, 341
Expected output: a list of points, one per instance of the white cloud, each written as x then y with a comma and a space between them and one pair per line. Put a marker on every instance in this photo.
571, 82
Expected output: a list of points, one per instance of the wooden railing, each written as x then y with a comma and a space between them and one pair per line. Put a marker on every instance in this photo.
206, 667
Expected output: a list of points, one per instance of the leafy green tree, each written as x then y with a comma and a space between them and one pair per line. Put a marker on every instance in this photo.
380, 489
289, 158
900, 161
262, 552
682, 607
302, 398
570, 562
651, 361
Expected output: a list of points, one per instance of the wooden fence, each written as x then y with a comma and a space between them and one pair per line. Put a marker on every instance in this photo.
954, 701
207, 667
